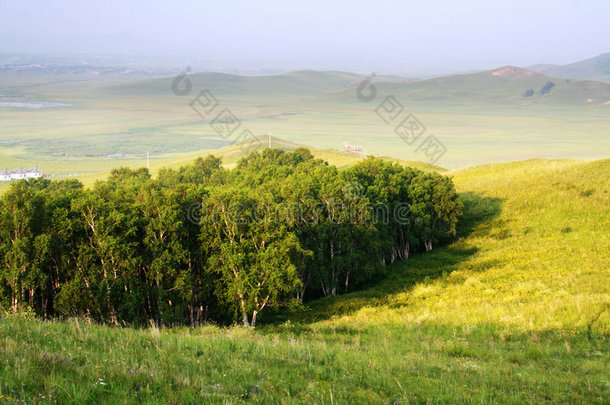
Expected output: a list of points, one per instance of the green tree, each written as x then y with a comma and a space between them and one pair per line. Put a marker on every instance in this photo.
253, 257
21, 217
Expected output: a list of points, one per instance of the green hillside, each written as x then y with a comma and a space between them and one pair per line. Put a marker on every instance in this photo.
232, 154
297, 83
533, 256
597, 68
516, 310
479, 118
502, 86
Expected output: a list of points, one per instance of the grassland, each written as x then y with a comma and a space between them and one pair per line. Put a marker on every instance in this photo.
516, 310
231, 154
479, 118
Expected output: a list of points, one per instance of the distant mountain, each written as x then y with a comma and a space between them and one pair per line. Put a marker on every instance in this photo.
501, 86
297, 83
597, 68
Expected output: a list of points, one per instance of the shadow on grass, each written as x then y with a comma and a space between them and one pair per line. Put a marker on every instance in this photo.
402, 276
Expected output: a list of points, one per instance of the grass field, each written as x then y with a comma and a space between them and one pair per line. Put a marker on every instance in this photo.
516, 310
479, 118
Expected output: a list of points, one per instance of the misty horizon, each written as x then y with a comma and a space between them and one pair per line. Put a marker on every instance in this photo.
419, 38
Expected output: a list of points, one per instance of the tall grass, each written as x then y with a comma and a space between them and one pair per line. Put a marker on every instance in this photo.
515, 311
73, 362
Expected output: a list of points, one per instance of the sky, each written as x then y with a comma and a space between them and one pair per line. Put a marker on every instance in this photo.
409, 37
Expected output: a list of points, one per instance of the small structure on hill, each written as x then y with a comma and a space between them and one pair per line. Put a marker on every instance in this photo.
17, 174
33, 173
20, 174
355, 149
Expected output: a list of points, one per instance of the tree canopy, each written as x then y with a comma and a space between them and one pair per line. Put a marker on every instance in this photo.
207, 243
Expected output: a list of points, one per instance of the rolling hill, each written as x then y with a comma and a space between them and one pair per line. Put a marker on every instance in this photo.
231, 154
293, 84
532, 255
597, 68
515, 310
481, 117
503, 86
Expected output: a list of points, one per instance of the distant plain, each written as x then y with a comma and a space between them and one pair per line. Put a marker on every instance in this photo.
479, 118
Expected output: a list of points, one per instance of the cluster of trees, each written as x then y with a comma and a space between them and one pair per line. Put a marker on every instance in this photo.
546, 89
204, 242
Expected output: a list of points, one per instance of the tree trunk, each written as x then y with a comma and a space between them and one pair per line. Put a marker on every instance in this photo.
324, 290
43, 303
346, 280
333, 276
253, 324
428, 245
159, 310
242, 305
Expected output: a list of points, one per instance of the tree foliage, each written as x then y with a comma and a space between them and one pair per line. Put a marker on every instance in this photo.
546, 89
206, 243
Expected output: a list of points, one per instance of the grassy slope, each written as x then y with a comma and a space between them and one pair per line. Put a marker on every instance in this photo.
292, 84
231, 154
504, 85
597, 68
538, 262
514, 311
499, 87
479, 118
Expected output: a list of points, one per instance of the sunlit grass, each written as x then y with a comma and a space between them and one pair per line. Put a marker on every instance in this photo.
515, 311
411, 363
539, 262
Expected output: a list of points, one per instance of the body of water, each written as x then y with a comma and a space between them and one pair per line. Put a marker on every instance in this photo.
33, 105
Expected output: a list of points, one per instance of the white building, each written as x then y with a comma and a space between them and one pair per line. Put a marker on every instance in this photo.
19, 174
33, 173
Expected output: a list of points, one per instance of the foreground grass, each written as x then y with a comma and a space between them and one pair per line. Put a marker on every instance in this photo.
532, 256
71, 362
515, 311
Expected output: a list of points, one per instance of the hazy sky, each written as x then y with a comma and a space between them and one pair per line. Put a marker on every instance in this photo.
385, 36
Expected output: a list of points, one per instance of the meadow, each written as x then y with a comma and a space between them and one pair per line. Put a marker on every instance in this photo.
115, 121
515, 310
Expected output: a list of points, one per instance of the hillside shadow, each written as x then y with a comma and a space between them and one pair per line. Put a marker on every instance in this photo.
402, 277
